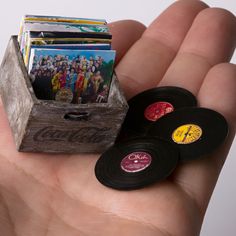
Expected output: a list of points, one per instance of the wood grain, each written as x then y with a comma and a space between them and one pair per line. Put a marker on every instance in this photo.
42, 125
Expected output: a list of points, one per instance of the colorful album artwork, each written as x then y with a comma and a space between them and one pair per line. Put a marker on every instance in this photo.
59, 27
63, 27
36, 23
94, 46
75, 46
64, 19
72, 76
57, 19
54, 41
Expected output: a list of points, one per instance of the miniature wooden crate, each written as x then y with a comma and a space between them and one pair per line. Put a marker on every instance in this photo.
51, 126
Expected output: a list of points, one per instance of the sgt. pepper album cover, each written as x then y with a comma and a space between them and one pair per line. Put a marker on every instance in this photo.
75, 76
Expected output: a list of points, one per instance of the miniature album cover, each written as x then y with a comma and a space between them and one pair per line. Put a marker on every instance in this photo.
97, 46
72, 76
60, 27
40, 18
47, 38
57, 19
63, 24
68, 59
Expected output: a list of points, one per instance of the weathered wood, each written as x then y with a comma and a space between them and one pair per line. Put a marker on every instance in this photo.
51, 126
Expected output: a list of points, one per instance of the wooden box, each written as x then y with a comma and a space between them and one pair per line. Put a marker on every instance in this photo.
51, 126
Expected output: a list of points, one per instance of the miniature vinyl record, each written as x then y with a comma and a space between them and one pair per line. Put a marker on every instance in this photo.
149, 106
136, 163
195, 131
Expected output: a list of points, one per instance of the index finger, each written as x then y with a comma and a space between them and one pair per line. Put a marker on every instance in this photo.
124, 34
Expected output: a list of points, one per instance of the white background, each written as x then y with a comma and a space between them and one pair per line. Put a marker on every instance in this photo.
221, 215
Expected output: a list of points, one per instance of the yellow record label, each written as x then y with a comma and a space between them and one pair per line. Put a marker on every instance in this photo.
186, 134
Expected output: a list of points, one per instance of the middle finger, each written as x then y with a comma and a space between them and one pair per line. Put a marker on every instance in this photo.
211, 40
148, 59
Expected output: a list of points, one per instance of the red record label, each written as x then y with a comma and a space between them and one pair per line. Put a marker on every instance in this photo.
158, 109
136, 161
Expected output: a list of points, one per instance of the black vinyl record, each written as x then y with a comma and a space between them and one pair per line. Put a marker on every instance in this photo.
147, 107
195, 131
136, 163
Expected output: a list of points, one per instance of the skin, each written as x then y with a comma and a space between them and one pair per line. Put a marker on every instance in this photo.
56, 195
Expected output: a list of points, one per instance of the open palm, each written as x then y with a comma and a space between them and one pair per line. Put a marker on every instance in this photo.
188, 46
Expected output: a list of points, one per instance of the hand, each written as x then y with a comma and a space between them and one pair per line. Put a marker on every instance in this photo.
189, 46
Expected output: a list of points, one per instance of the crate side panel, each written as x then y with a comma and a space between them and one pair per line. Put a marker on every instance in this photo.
49, 132
15, 96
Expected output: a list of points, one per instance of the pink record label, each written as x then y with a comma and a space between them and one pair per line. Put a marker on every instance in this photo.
136, 161
158, 109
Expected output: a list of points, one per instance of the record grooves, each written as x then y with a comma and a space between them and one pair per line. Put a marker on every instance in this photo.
136, 163
150, 105
195, 131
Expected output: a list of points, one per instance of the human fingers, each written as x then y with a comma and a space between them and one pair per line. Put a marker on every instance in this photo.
207, 43
124, 34
217, 92
195, 68
146, 62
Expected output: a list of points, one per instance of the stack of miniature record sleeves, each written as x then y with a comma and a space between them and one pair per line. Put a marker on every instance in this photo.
68, 59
